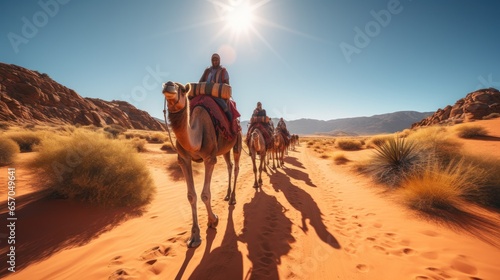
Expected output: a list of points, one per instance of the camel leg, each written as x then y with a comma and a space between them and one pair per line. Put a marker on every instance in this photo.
254, 165
261, 166
185, 164
206, 195
229, 164
236, 155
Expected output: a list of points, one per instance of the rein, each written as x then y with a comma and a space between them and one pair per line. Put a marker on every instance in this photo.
166, 124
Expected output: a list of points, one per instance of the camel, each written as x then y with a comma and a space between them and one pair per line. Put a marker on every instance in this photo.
197, 141
279, 148
256, 146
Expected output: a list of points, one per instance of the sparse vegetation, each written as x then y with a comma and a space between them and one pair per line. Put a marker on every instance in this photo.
27, 140
378, 140
340, 158
470, 131
349, 144
90, 167
157, 137
8, 150
138, 144
114, 130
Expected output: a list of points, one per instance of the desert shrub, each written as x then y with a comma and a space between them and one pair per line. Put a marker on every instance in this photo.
138, 144
157, 137
349, 144
436, 186
8, 150
393, 160
491, 116
378, 140
26, 140
167, 146
114, 130
436, 142
340, 158
90, 167
470, 131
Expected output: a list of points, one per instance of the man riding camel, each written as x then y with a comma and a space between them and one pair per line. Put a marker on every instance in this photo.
260, 119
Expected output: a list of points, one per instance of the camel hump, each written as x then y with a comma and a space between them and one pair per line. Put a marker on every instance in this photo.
219, 90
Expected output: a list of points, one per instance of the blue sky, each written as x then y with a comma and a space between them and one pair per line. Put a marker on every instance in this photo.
302, 59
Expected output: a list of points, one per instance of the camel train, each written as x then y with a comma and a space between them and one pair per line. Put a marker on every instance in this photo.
203, 132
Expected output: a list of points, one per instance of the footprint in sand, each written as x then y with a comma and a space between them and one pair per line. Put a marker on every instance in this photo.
362, 268
430, 233
155, 252
462, 264
118, 274
116, 261
440, 274
351, 249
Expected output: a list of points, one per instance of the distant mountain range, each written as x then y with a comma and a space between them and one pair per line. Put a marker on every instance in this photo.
377, 124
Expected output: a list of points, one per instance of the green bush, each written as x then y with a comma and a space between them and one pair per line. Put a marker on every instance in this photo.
90, 167
8, 150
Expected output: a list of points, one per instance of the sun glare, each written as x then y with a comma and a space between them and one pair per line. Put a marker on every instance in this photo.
239, 18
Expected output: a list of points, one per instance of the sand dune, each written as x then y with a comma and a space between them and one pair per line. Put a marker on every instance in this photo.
311, 220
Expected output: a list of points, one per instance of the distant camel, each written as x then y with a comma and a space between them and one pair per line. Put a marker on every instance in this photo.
197, 140
257, 145
279, 148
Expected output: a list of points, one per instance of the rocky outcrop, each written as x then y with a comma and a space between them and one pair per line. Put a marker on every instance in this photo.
475, 106
28, 96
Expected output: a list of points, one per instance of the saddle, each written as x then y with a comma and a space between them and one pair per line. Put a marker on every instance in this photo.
268, 138
229, 129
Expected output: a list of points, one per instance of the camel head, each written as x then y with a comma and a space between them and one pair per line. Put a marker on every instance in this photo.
175, 94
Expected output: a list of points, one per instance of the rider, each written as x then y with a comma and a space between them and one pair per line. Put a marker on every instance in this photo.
282, 127
259, 118
218, 74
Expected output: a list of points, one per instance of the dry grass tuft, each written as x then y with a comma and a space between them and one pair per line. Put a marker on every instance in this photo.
469, 131
340, 158
91, 167
349, 144
8, 150
27, 140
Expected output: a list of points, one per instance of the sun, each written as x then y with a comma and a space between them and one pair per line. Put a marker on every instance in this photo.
239, 17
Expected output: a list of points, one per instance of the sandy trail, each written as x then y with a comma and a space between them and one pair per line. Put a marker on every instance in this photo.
312, 219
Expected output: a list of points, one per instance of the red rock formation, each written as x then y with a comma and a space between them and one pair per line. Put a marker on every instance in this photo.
474, 106
27, 96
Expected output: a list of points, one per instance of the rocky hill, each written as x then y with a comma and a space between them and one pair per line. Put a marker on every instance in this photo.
28, 96
475, 106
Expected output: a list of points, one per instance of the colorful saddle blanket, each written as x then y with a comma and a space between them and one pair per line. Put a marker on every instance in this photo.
219, 118
268, 138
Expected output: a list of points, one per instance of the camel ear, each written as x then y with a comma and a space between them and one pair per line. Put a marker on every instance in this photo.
181, 86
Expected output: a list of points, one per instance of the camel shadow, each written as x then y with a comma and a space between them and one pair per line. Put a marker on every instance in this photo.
305, 204
46, 225
300, 175
224, 262
267, 233
294, 161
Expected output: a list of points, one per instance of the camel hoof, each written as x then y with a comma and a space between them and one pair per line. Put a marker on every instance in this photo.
226, 198
213, 224
232, 202
193, 242
255, 185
